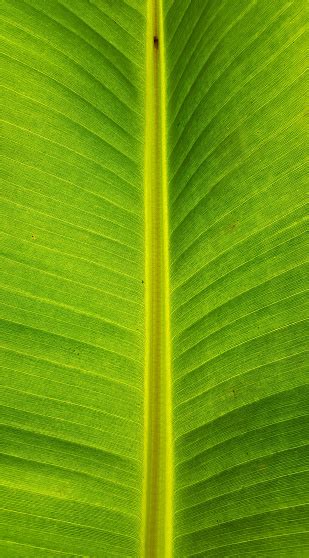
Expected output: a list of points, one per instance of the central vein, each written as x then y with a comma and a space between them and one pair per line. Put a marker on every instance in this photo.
158, 443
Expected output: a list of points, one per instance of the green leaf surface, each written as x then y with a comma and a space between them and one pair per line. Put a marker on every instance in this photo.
100, 125
72, 296
236, 98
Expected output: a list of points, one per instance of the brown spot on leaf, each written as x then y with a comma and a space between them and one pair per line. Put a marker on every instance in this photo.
232, 226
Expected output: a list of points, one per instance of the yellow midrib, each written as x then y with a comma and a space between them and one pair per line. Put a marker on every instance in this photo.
158, 442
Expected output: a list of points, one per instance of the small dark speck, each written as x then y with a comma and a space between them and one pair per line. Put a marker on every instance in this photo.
156, 42
142, 281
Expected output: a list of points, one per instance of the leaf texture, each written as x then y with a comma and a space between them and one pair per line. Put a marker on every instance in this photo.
71, 285
75, 98
236, 95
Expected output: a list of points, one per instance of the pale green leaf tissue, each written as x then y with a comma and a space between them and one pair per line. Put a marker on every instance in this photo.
188, 114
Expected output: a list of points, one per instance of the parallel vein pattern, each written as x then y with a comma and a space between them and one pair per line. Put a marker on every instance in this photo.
72, 277
237, 215
71, 281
